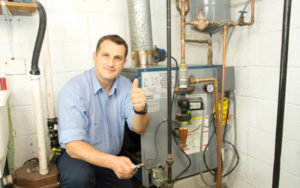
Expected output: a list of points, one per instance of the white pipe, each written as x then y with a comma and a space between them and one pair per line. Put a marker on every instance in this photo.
39, 124
48, 77
48, 73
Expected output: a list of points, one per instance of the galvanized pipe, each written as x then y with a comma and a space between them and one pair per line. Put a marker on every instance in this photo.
139, 16
281, 91
169, 159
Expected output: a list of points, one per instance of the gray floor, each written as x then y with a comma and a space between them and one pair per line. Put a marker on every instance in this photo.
197, 182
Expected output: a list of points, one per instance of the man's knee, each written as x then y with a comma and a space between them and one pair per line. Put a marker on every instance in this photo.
74, 172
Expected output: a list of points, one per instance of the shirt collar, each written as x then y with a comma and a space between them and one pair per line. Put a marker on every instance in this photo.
97, 86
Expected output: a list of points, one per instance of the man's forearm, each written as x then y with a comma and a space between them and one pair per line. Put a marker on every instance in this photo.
119, 164
84, 151
140, 123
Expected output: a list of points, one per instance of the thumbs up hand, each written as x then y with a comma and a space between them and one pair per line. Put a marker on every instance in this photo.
138, 96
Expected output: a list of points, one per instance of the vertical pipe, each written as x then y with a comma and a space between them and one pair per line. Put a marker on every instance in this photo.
36, 91
182, 31
183, 82
219, 127
252, 11
169, 158
139, 16
39, 124
281, 92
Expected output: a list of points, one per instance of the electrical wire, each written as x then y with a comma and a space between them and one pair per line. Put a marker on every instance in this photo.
182, 150
163, 121
225, 141
155, 145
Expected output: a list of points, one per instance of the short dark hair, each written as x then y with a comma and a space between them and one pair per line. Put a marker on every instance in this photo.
114, 38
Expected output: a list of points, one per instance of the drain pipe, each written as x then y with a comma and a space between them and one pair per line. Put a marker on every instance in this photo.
36, 91
169, 159
51, 117
281, 92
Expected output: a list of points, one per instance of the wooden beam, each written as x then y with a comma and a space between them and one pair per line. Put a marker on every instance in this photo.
20, 8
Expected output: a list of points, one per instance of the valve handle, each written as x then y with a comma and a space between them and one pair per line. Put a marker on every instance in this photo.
243, 11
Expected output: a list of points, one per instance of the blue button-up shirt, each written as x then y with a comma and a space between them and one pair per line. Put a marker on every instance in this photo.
86, 113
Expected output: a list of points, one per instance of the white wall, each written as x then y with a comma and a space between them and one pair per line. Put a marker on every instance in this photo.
74, 27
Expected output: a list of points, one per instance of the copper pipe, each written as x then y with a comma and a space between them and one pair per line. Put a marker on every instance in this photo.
182, 31
179, 9
201, 22
201, 25
193, 81
219, 127
242, 22
209, 52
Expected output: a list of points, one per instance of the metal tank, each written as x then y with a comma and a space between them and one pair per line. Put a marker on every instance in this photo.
139, 16
213, 10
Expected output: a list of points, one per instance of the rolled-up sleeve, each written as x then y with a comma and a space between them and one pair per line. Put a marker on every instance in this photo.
72, 118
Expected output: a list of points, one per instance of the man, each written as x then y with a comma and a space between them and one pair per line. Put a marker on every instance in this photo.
93, 108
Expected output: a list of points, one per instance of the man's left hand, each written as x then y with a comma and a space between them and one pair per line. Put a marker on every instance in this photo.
138, 96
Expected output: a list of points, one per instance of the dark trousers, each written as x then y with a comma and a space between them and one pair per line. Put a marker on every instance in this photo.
75, 173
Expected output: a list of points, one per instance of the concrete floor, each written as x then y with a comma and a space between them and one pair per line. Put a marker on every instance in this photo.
190, 182
196, 182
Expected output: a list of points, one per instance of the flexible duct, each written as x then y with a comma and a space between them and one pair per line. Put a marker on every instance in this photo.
139, 16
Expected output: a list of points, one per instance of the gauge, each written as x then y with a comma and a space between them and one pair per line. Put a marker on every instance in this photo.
210, 88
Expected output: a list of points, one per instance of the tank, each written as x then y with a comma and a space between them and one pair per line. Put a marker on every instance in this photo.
213, 10
4, 130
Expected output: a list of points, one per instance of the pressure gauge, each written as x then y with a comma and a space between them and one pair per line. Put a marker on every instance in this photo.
210, 88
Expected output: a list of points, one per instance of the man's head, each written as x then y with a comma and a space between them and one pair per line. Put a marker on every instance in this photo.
114, 38
109, 58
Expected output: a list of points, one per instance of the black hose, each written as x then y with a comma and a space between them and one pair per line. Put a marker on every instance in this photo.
39, 40
281, 92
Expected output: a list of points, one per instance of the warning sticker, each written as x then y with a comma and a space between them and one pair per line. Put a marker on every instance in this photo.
194, 135
155, 85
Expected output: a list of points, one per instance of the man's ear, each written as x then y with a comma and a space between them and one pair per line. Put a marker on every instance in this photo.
124, 63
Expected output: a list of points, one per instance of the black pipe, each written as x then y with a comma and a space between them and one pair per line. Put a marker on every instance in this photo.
39, 40
169, 89
282, 90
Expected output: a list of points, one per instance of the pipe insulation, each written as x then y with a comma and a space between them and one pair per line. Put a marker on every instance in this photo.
282, 90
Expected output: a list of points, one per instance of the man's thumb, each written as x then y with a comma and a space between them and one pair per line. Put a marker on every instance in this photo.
135, 83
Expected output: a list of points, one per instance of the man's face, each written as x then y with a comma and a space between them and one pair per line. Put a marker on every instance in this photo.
109, 61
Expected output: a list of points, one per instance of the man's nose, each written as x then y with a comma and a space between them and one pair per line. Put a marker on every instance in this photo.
111, 62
